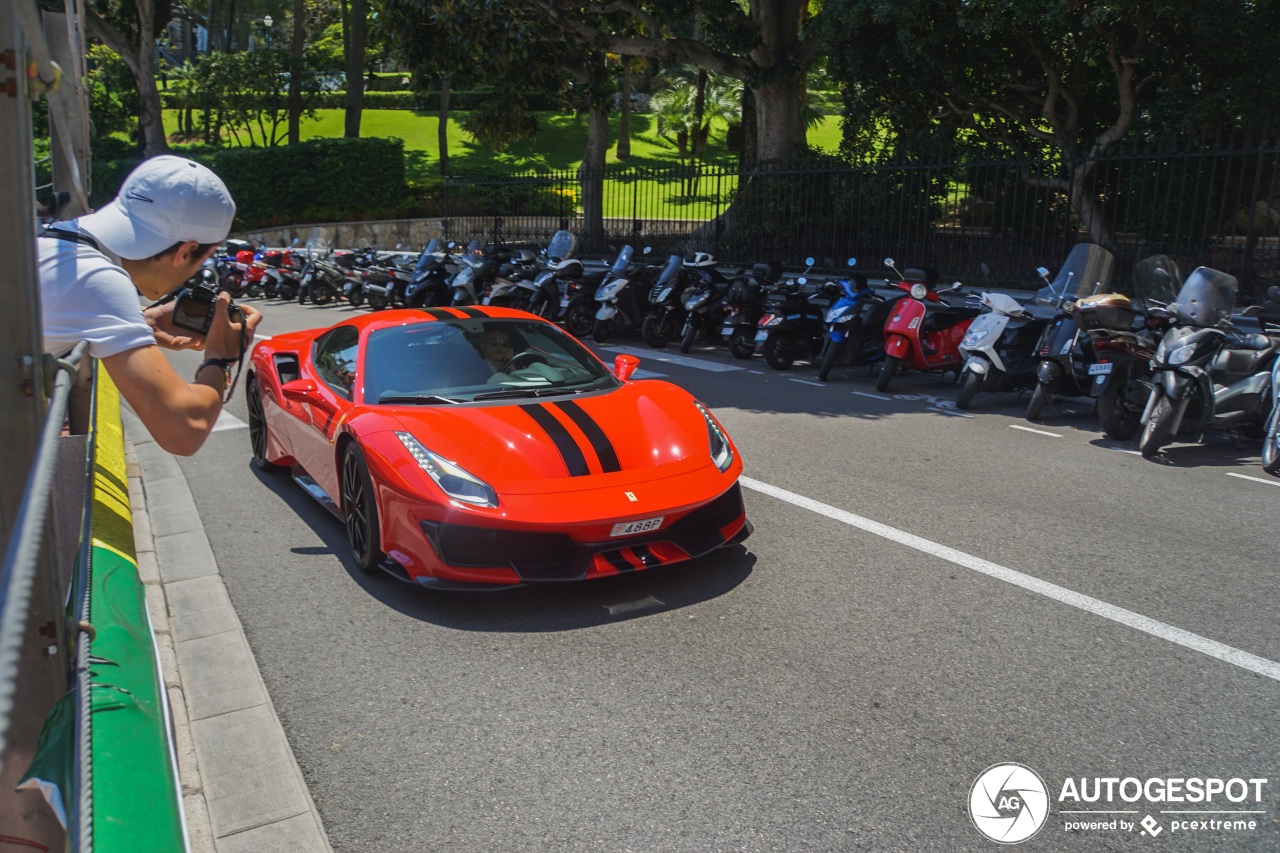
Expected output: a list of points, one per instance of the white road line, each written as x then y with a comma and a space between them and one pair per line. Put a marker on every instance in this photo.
684, 361
1254, 479
1186, 639
647, 374
226, 420
756, 372
872, 396
951, 412
1036, 431
807, 382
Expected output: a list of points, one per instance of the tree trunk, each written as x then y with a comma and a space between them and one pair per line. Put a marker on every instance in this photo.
142, 62
442, 130
780, 119
1089, 207
624, 112
747, 156
353, 44
591, 178
296, 50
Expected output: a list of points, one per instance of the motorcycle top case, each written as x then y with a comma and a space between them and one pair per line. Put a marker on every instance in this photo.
743, 293
274, 258
1105, 311
235, 247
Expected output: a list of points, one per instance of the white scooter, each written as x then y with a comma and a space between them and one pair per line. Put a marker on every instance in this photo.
997, 348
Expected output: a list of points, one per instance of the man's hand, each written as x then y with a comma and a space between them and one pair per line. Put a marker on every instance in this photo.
168, 335
224, 338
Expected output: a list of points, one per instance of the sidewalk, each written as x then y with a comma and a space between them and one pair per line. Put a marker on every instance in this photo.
242, 789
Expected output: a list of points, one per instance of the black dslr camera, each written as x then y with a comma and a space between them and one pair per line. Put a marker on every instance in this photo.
195, 301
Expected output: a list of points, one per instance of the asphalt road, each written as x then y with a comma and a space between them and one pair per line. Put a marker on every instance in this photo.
926, 594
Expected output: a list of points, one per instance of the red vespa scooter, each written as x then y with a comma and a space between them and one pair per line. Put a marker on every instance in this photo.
922, 332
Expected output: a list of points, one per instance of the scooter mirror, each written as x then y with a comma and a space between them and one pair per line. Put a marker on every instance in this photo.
888, 262
853, 262
957, 286
625, 365
802, 280
1043, 272
648, 249
808, 262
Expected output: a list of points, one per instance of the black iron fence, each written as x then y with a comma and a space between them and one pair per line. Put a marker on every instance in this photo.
1214, 202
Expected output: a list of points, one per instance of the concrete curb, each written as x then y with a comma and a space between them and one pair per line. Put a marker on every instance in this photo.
242, 788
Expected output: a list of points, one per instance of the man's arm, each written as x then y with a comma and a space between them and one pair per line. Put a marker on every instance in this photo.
177, 413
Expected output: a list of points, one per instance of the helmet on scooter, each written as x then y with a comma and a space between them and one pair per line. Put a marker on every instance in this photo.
700, 260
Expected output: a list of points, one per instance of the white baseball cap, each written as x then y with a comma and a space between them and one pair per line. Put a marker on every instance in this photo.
166, 200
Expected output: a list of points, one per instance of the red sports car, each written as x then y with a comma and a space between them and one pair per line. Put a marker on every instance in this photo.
467, 447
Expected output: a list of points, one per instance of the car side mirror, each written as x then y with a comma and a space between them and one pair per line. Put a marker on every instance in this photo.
299, 390
625, 365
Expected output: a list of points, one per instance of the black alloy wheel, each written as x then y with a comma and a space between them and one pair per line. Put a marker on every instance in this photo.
777, 351
972, 382
258, 429
359, 510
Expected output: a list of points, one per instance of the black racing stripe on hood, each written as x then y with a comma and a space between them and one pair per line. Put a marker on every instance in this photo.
599, 441
473, 313
441, 313
569, 450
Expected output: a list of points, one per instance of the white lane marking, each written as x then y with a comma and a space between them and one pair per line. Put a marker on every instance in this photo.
1125, 450
756, 372
872, 396
647, 374
1162, 630
258, 337
807, 382
1036, 431
226, 420
951, 412
682, 360
1254, 479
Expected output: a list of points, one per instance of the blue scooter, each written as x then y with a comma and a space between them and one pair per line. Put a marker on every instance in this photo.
855, 324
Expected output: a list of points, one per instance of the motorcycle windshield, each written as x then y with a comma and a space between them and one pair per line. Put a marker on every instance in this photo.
433, 247
1155, 281
318, 242
674, 265
1206, 298
620, 265
1087, 270
561, 246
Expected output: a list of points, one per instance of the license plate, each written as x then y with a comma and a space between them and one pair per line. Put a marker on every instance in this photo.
761, 337
1101, 368
630, 528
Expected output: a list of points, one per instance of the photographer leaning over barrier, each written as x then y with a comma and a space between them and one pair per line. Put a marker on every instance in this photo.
170, 214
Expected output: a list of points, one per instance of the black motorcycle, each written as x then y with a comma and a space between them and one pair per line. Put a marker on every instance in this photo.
1063, 355
429, 282
746, 301
666, 311
792, 327
704, 303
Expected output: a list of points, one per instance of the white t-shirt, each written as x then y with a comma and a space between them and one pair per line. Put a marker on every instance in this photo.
86, 295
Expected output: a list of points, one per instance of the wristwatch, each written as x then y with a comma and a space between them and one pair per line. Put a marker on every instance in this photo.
223, 363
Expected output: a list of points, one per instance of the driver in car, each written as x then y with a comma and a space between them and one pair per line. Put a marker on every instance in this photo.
496, 347
500, 346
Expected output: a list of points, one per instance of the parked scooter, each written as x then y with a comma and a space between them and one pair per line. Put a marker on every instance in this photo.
855, 325
746, 299
1207, 373
704, 302
1271, 438
923, 332
429, 283
666, 311
792, 326
1124, 334
999, 346
1063, 354
620, 296
559, 292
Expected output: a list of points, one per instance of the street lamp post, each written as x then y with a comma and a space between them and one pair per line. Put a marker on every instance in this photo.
267, 22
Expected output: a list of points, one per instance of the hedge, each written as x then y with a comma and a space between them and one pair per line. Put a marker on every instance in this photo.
318, 180
462, 101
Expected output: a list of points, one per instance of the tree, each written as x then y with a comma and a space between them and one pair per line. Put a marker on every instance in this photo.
130, 27
1070, 77
354, 25
690, 102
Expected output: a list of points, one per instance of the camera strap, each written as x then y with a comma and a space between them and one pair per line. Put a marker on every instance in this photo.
70, 237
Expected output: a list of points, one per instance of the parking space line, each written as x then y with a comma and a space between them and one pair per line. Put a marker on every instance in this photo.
1162, 630
1254, 479
872, 396
807, 382
226, 420
684, 361
1036, 431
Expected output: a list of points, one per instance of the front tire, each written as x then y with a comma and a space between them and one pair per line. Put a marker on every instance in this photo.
258, 430
360, 510
1120, 406
1271, 443
972, 382
1159, 429
690, 332
1039, 399
579, 319
742, 347
600, 330
829, 359
887, 371
657, 331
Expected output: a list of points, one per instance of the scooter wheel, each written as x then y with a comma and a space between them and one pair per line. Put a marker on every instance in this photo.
657, 332
1159, 429
741, 346
1120, 406
579, 319
972, 381
686, 342
600, 330
1039, 399
1271, 443
887, 371
828, 360
775, 353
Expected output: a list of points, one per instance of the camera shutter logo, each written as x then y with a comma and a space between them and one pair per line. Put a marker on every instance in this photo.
1008, 803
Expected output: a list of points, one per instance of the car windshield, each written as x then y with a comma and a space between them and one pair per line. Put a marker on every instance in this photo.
1087, 270
1206, 298
460, 361
620, 264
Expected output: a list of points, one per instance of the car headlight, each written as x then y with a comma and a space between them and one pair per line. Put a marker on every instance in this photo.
721, 450
974, 338
453, 480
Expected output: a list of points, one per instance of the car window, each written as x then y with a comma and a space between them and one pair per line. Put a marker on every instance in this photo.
335, 358
463, 359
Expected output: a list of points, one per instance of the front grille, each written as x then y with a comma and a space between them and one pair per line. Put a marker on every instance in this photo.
699, 531
475, 547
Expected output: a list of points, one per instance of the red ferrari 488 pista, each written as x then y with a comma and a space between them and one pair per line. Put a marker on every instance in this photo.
466, 447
